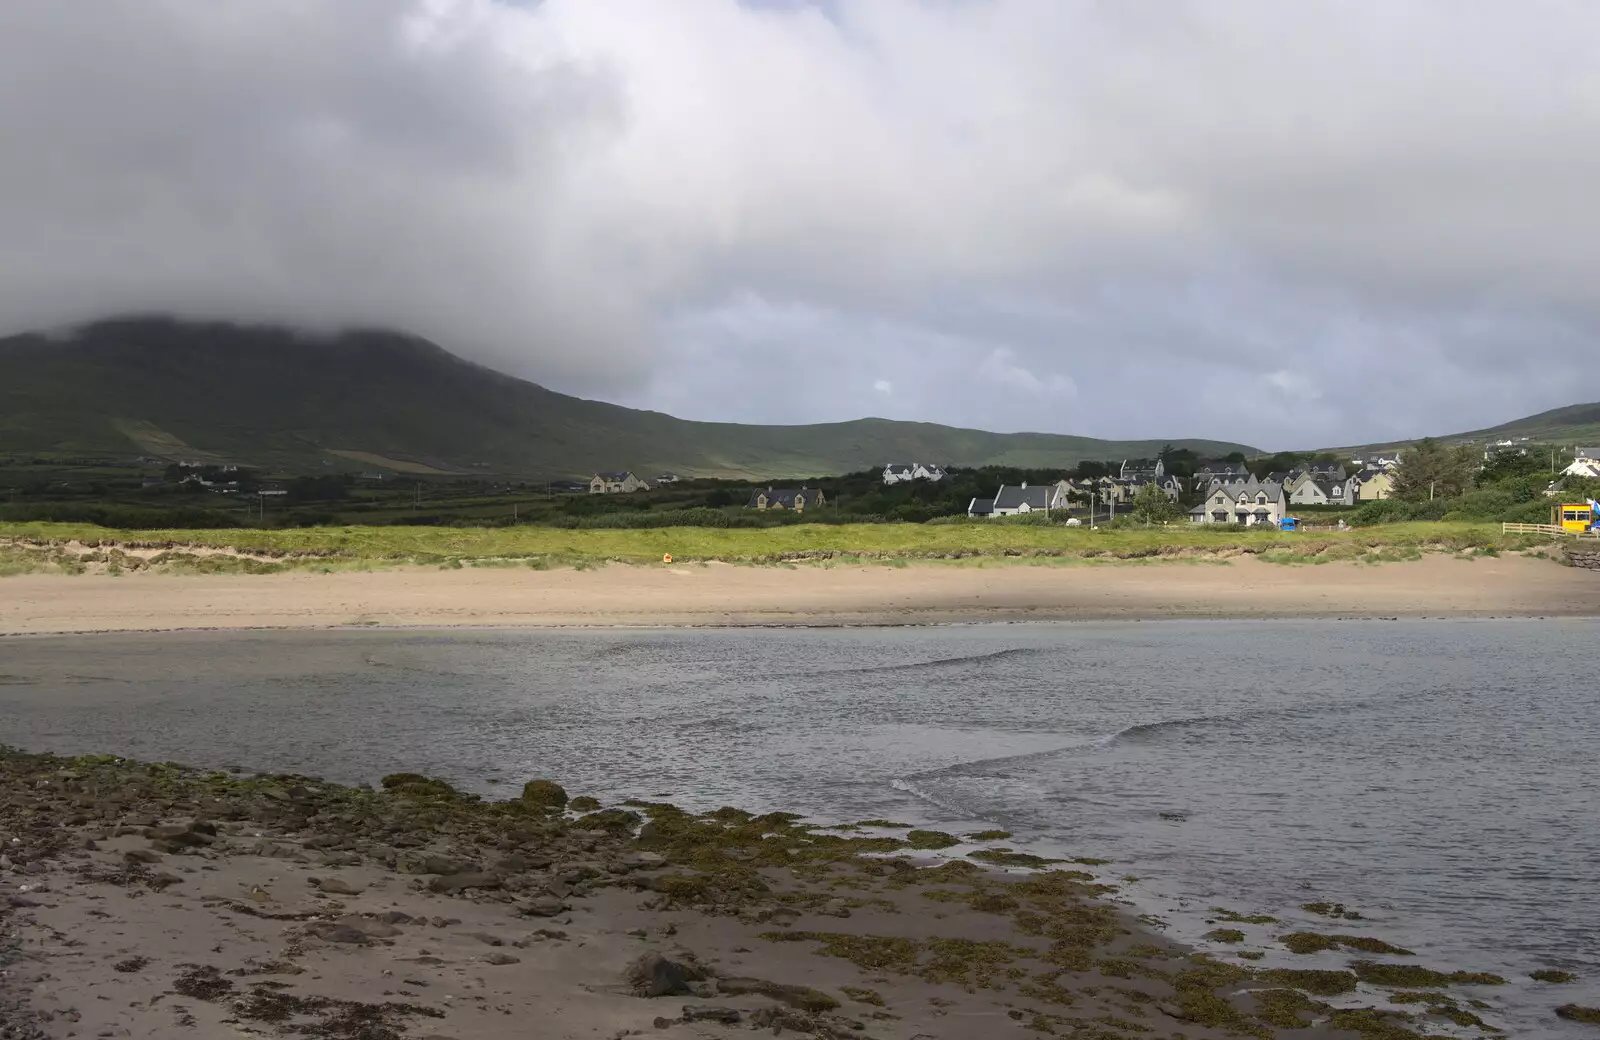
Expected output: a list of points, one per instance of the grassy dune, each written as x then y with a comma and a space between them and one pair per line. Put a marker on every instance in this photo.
435, 545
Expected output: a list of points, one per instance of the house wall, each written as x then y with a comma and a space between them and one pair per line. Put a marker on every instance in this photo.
1376, 488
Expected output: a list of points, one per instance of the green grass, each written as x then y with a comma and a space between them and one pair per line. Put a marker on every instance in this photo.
543, 546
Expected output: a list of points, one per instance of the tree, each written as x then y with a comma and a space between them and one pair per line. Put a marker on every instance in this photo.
1430, 470
1152, 506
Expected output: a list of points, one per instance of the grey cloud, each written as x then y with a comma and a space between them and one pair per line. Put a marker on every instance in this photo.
1363, 220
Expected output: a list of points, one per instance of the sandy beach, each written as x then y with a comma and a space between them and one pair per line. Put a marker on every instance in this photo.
153, 901
726, 595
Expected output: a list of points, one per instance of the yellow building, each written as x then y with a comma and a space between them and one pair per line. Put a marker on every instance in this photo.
1375, 487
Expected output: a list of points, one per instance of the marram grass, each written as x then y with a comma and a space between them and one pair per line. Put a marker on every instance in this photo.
545, 546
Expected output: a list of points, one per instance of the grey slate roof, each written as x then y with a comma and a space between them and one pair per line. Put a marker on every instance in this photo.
783, 497
1586, 453
1013, 496
981, 507
613, 476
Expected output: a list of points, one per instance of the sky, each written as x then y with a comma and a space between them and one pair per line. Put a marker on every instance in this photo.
1284, 224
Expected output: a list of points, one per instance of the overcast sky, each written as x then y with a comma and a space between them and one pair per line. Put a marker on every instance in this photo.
1283, 223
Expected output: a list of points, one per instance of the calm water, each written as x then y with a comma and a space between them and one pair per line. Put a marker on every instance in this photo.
1437, 776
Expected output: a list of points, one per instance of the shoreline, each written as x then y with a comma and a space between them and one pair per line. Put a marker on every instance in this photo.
715, 595
293, 904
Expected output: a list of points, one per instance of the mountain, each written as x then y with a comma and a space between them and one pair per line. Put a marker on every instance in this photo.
273, 397
1573, 425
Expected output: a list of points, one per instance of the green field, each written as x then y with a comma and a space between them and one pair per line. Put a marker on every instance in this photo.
543, 546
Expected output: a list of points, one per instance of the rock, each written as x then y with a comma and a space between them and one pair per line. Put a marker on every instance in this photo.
337, 886
544, 794
331, 931
544, 906
834, 908
164, 880
396, 917
462, 882
725, 1015
372, 927
486, 938
134, 856
448, 865
444, 922
642, 860
648, 832
652, 975
501, 958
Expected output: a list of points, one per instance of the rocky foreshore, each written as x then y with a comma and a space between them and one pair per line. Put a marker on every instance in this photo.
155, 900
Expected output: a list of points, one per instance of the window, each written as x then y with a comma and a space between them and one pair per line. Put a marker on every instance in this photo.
1261, 500
1571, 514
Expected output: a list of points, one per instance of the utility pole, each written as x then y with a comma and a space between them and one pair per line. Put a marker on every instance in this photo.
416, 501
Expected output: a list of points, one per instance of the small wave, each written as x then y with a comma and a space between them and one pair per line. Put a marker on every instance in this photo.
947, 804
941, 662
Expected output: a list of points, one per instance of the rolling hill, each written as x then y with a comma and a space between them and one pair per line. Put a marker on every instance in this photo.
366, 399
1573, 425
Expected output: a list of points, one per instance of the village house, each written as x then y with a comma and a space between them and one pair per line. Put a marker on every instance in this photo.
615, 482
898, 472
667, 478
1013, 500
1249, 503
1064, 492
1585, 463
1153, 469
796, 499
1212, 475
1321, 493
1373, 485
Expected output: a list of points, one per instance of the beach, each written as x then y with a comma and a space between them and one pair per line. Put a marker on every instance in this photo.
158, 901
805, 594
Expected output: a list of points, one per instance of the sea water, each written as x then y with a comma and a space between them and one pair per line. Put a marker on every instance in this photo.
1436, 777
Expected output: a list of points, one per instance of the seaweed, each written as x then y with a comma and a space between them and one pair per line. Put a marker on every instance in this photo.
1414, 976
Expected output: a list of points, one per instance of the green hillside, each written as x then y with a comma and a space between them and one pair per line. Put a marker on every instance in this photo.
1576, 424
378, 400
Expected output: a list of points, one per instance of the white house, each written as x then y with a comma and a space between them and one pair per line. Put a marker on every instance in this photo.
615, 482
1249, 503
1013, 500
897, 472
1585, 463
1313, 492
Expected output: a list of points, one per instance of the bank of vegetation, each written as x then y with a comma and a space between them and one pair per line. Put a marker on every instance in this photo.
73, 547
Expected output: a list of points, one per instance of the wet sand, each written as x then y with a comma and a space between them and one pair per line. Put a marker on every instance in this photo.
157, 902
804, 595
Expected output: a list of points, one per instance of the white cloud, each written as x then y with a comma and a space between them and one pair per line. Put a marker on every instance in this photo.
884, 387
1001, 367
1176, 194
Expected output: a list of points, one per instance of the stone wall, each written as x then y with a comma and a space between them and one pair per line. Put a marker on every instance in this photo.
1586, 558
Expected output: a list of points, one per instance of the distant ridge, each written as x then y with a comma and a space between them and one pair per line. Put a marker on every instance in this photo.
380, 400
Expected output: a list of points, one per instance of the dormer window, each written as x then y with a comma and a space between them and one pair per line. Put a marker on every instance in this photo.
1261, 499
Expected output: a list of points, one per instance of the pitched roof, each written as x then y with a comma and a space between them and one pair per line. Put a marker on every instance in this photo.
1012, 496
613, 475
784, 496
1586, 453
981, 507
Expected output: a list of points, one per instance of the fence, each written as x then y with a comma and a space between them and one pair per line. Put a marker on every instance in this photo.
1546, 529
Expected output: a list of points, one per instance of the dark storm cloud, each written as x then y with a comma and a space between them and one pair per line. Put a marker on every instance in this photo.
1280, 223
